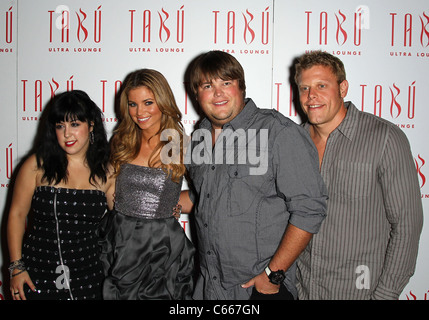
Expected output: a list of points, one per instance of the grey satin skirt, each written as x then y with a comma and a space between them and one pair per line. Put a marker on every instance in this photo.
145, 259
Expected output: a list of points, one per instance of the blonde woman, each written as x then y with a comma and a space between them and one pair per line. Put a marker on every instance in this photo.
146, 253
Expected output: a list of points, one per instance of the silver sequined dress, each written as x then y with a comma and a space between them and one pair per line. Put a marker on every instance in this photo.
145, 251
62, 244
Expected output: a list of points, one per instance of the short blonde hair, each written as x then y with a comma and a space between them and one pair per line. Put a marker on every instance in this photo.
317, 58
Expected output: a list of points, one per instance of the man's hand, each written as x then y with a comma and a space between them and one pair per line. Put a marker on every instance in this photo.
262, 284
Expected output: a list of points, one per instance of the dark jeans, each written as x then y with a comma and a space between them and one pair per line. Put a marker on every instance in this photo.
283, 294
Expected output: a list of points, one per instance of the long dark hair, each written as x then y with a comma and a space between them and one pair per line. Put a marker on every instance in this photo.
69, 106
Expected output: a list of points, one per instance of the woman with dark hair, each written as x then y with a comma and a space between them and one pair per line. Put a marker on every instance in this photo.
67, 187
145, 252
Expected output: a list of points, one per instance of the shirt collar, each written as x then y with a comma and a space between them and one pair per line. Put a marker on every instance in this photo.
347, 127
242, 120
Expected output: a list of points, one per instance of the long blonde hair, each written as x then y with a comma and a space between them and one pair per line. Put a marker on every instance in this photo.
127, 137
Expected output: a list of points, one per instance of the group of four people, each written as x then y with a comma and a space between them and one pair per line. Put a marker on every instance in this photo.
334, 197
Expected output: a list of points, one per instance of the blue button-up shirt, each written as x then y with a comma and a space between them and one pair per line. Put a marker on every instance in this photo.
246, 193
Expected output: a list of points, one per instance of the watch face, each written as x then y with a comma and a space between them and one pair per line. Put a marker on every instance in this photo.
277, 277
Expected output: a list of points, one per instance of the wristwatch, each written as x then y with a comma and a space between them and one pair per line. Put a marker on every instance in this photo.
276, 277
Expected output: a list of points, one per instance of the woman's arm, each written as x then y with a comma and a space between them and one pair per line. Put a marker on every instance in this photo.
21, 203
186, 202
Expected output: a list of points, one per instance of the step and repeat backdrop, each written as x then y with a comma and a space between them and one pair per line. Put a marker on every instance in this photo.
50, 46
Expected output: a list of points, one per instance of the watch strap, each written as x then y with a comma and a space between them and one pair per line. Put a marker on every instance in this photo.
268, 271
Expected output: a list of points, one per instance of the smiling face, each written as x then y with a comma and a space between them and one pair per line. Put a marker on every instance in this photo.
322, 97
143, 109
73, 137
221, 100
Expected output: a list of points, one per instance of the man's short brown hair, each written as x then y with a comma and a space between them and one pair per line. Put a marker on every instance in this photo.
213, 65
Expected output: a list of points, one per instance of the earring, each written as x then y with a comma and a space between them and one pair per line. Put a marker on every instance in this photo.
91, 137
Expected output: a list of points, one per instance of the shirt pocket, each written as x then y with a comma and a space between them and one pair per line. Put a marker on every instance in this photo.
352, 180
241, 189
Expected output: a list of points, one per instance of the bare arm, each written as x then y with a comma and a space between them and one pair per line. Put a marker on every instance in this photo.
21, 203
293, 243
186, 202
110, 189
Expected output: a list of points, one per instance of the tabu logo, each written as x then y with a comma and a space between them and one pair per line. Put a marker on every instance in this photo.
168, 27
78, 28
109, 88
7, 31
407, 29
254, 26
280, 89
412, 296
420, 162
348, 26
6, 172
400, 99
34, 93
60, 22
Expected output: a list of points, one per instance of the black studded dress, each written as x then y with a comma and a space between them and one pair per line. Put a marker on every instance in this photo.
60, 250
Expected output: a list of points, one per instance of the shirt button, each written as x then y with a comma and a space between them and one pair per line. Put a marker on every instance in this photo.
205, 225
213, 167
209, 252
208, 195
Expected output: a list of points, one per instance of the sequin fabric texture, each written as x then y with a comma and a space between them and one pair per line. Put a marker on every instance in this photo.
62, 244
145, 192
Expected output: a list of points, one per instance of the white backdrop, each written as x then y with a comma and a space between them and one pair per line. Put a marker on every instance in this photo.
49, 46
